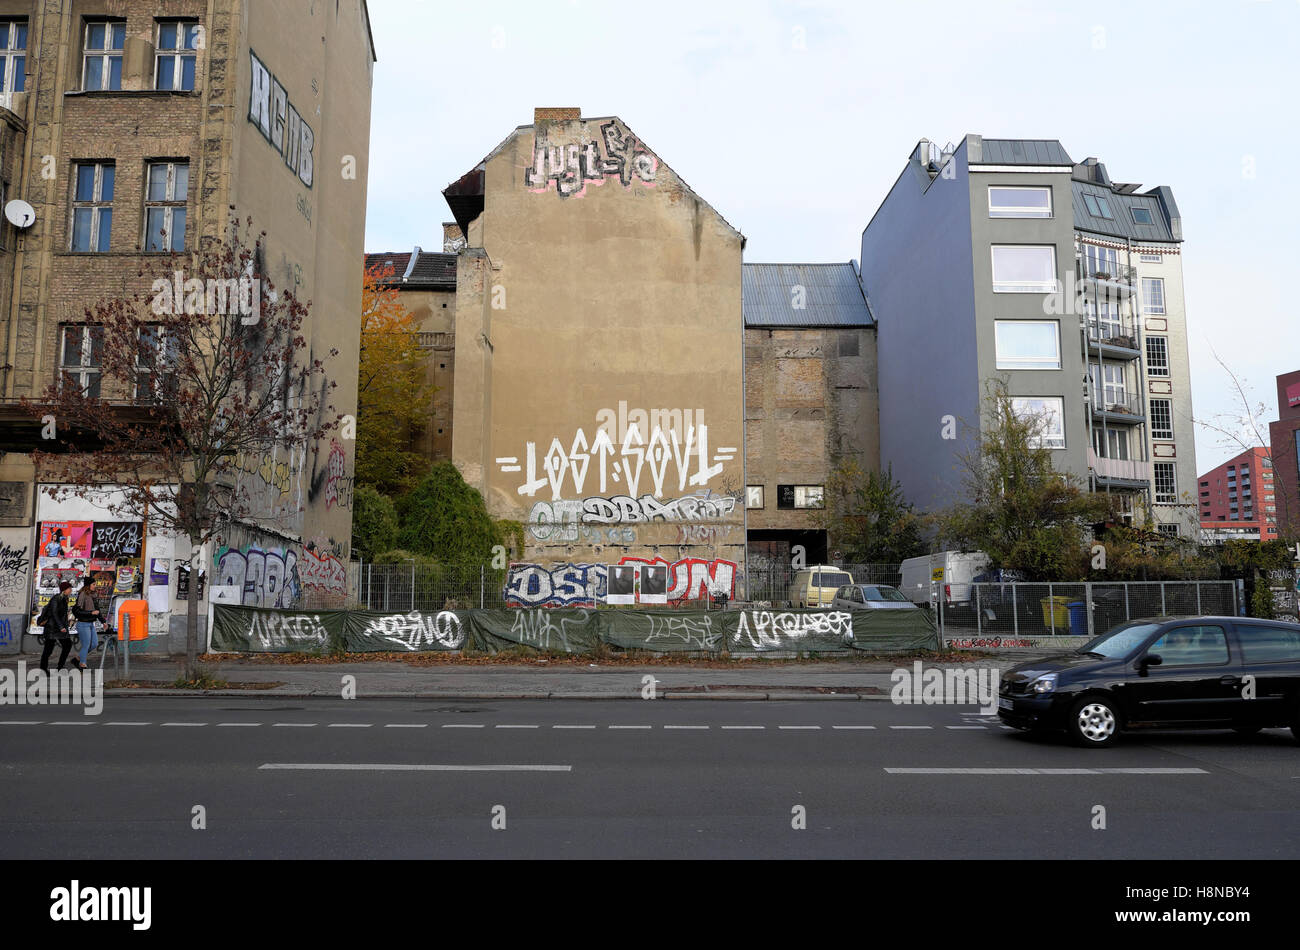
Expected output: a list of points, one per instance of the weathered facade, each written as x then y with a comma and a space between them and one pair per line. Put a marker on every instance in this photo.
598, 394
259, 107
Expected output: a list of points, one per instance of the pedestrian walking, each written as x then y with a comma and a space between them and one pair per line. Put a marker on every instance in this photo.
86, 613
54, 618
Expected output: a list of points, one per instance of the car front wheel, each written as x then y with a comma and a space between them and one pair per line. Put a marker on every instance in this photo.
1093, 722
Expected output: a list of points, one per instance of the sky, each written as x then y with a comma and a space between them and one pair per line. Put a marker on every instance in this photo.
793, 120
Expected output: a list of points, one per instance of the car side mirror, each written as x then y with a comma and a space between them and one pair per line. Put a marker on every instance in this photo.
1151, 659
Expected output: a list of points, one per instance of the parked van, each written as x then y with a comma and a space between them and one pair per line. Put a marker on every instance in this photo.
816, 586
952, 573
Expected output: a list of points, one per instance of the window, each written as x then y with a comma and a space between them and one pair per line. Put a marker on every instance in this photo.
175, 59
1151, 258
1020, 202
1143, 216
1157, 356
1097, 206
156, 354
92, 207
1169, 530
1192, 646
13, 56
164, 212
1166, 484
1109, 389
754, 496
1268, 644
1024, 269
1153, 295
1104, 321
102, 68
809, 496
1027, 344
1111, 443
1050, 411
1162, 419
80, 357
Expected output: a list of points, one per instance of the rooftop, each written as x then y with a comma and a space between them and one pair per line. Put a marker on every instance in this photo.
832, 296
418, 269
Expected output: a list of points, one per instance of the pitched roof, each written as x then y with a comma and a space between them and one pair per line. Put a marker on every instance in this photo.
418, 269
1024, 152
1121, 223
832, 293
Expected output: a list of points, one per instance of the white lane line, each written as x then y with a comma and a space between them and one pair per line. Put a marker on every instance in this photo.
294, 725
184, 723
631, 727
499, 726
744, 727
349, 767
981, 771
798, 727
573, 727
463, 725
406, 725
239, 725
126, 724
686, 727
980, 728
73, 722
911, 727
349, 725
24, 722
853, 727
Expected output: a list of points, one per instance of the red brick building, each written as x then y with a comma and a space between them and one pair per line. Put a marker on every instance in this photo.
1237, 499
1285, 436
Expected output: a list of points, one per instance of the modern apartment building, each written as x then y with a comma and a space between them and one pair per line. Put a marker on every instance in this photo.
1284, 436
1003, 259
1237, 500
132, 128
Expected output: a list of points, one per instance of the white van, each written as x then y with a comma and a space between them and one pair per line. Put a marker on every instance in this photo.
951, 573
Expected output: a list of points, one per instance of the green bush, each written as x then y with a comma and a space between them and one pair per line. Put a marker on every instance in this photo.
444, 518
374, 523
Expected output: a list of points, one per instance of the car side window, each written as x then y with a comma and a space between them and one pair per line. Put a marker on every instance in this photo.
1262, 644
842, 593
857, 595
1192, 646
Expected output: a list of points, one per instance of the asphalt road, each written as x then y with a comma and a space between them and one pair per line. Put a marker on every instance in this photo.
654, 779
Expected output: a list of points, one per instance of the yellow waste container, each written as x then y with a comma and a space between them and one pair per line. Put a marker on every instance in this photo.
1056, 612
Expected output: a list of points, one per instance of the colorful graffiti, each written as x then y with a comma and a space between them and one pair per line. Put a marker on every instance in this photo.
338, 484
585, 585
268, 578
570, 167
276, 476
562, 520
688, 457
323, 572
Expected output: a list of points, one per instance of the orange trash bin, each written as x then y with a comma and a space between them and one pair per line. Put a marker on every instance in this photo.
138, 611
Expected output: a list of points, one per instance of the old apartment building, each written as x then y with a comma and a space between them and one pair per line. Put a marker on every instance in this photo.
130, 128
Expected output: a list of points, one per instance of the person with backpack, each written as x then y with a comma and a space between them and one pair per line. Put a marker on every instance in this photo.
54, 618
86, 613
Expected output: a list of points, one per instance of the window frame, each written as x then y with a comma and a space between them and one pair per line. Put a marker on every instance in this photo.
807, 491
11, 54
169, 205
1153, 646
1153, 415
1023, 287
96, 204
1164, 498
1026, 363
86, 369
1149, 308
1159, 372
1046, 439
1021, 211
1147, 211
105, 54
749, 498
177, 54
1151, 258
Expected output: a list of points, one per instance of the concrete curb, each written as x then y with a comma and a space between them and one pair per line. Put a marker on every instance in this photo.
734, 696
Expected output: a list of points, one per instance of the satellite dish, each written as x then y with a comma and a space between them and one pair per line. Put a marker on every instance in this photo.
20, 214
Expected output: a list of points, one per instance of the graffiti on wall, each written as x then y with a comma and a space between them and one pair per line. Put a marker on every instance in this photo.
115, 539
273, 632
561, 520
585, 585
268, 578
279, 122
666, 457
15, 574
332, 480
570, 167
6, 632
694, 632
540, 629
416, 630
763, 629
323, 572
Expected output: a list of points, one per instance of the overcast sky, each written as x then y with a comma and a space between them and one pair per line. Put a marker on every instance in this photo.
794, 119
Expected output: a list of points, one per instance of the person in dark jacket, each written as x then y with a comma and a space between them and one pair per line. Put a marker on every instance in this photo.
86, 613
55, 620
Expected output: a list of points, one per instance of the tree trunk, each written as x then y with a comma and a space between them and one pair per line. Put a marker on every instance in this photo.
192, 618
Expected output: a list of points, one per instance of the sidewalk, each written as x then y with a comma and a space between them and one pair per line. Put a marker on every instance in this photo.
762, 680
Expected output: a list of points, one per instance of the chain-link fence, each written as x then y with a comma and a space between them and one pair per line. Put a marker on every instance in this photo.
1025, 610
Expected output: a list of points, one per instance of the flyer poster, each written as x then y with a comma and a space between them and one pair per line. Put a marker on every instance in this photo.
66, 538
160, 569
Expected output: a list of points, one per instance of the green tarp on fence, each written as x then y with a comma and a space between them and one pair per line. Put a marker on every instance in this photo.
253, 630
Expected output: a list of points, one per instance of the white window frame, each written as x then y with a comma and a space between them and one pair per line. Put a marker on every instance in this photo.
96, 204
1027, 362
106, 54
1164, 498
168, 205
12, 54
1110, 380
163, 349
1148, 306
1133, 212
809, 496
1022, 287
1050, 438
1151, 258
1157, 431
754, 497
85, 370
176, 54
1020, 211
1104, 318
1160, 343
1112, 444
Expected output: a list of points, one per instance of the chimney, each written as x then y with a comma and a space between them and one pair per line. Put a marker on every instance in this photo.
453, 239
556, 114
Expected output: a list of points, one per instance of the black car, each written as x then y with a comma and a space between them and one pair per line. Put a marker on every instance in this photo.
1166, 672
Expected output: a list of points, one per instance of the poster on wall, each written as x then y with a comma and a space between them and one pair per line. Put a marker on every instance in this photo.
622, 584
112, 540
183, 582
52, 571
126, 578
66, 538
654, 584
159, 571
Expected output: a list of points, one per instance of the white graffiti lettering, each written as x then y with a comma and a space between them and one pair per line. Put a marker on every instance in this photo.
585, 585
765, 630
271, 631
694, 632
413, 630
536, 628
561, 520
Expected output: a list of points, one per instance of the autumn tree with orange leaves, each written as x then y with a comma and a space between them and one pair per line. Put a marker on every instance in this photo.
394, 399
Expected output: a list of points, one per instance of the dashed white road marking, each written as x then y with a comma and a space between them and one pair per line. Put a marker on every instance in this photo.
294, 725
403, 767
686, 727
184, 723
853, 727
798, 727
74, 722
631, 727
744, 727
980, 728
463, 725
991, 771
22, 722
350, 725
573, 727
911, 727
239, 725
499, 726
406, 725
128, 724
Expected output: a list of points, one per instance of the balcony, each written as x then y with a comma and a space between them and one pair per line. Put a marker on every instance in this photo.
1119, 474
1113, 338
1105, 276
1117, 406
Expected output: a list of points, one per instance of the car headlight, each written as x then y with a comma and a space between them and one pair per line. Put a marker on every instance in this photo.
1044, 684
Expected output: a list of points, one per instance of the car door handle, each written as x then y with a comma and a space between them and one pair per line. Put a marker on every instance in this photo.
1228, 680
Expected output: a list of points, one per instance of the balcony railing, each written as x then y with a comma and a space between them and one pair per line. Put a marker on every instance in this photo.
1120, 334
1119, 470
1117, 404
1105, 270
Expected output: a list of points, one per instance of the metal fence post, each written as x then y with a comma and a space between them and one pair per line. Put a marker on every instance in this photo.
1015, 610
388, 576
1051, 611
412, 585
1198, 598
979, 620
1163, 609
482, 586
1128, 614
1089, 606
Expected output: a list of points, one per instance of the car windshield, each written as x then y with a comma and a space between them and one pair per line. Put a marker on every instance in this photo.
883, 593
1120, 641
827, 579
